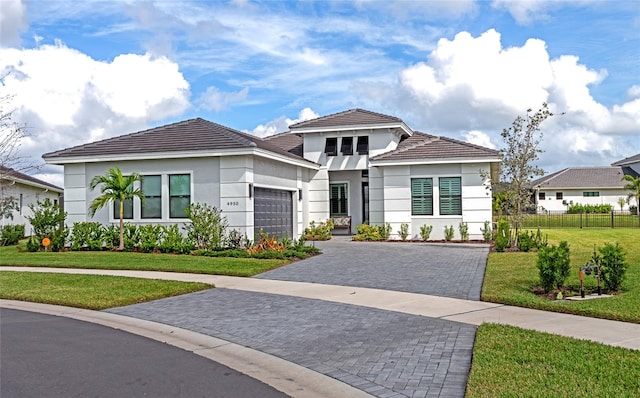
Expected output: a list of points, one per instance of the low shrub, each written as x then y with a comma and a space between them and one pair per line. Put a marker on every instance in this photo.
553, 265
111, 236
404, 231
578, 208
33, 245
172, 241
463, 228
87, 235
633, 210
150, 236
320, 231
425, 231
526, 241
385, 231
486, 231
264, 244
448, 232
47, 220
207, 227
11, 234
502, 235
366, 232
612, 266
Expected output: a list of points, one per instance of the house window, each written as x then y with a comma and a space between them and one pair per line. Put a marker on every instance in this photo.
590, 194
363, 145
127, 210
152, 205
179, 195
338, 202
347, 146
450, 196
331, 147
558, 195
421, 196
541, 195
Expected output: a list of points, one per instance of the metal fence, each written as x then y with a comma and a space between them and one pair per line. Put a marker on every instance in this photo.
561, 219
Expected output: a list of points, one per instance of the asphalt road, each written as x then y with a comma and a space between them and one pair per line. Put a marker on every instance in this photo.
49, 356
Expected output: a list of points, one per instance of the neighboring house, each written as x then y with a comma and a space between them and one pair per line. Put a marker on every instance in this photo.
369, 167
24, 190
584, 185
632, 163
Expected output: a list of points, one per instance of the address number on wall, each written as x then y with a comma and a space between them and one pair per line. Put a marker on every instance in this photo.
233, 203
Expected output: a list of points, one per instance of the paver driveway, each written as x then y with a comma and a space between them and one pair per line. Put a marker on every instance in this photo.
447, 270
385, 353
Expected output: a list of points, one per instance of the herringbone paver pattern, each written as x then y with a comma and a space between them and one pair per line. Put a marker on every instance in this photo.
441, 270
384, 353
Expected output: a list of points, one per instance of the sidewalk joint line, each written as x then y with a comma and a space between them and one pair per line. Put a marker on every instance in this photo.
470, 312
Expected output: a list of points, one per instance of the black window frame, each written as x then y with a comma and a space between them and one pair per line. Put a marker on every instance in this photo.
346, 145
421, 197
341, 202
542, 195
331, 146
450, 202
362, 146
559, 196
148, 198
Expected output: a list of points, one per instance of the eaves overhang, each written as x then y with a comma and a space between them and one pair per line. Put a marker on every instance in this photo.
33, 184
400, 128
409, 162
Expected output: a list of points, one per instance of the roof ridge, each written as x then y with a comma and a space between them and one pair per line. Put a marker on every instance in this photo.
237, 135
342, 113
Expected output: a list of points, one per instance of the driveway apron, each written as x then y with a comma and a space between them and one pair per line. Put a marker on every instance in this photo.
446, 270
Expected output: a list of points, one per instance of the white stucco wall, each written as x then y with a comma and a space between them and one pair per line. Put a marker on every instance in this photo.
607, 196
25, 195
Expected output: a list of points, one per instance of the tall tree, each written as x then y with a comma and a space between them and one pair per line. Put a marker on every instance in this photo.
521, 150
634, 187
115, 188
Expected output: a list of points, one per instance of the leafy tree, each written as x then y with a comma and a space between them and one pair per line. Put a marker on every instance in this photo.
115, 187
47, 221
621, 202
522, 147
634, 187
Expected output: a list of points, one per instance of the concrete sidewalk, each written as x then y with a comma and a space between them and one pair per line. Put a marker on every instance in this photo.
608, 332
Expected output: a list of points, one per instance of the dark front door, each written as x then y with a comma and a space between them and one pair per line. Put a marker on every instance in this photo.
365, 202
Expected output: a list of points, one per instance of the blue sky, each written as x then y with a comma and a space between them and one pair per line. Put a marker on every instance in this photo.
83, 71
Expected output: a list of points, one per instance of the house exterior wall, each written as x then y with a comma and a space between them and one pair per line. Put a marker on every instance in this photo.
393, 190
25, 195
575, 196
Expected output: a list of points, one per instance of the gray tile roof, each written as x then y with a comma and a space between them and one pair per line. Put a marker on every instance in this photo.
189, 135
9, 173
629, 160
290, 142
583, 177
426, 146
352, 117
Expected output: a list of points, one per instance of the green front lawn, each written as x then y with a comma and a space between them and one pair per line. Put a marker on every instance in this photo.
139, 261
513, 362
510, 277
95, 292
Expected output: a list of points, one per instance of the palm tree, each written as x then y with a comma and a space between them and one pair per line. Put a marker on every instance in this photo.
115, 187
634, 186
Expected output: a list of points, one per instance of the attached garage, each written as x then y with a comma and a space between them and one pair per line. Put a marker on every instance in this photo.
273, 212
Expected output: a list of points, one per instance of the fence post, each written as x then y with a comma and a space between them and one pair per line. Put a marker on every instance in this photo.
612, 220
580, 220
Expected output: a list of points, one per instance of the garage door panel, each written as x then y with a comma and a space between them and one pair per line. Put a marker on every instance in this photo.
273, 212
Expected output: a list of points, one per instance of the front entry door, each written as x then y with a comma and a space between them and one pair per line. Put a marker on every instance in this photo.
365, 202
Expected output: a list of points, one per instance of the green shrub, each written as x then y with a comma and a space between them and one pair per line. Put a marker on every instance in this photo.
131, 234
111, 237
321, 231
463, 228
33, 245
502, 235
448, 233
235, 239
150, 237
89, 235
207, 227
553, 265
526, 241
486, 231
47, 221
11, 234
367, 232
172, 241
633, 210
578, 208
385, 231
425, 231
612, 266
404, 231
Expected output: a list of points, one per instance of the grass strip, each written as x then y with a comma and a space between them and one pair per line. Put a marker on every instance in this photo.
10, 255
511, 277
94, 292
513, 362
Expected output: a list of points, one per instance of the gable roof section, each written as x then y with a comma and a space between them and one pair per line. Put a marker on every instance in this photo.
429, 147
626, 161
353, 119
189, 135
14, 175
290, 142
582, 177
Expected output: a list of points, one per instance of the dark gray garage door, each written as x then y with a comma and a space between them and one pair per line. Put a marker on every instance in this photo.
273, 212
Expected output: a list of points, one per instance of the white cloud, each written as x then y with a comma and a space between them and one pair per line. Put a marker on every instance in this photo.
216, 100
524, 11
13, 21
634, 91
65, 97
479, 138
282, 123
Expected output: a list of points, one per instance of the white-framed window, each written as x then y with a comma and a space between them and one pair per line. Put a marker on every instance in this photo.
151, 207
179, 195
592, 194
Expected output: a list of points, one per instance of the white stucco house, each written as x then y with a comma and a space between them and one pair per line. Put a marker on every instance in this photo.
630, 164
367, 166
583, 185
24, 191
